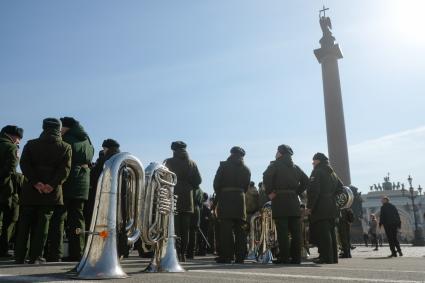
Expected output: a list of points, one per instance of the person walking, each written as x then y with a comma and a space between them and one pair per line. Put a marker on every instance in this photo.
390, 219
373, 227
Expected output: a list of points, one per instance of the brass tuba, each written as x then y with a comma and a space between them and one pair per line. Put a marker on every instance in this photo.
263, 235
158, 218
344, 198
123, 172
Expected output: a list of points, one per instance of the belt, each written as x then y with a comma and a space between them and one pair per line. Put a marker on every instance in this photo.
225, 190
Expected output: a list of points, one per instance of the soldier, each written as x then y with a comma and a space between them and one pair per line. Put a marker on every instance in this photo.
262, 196
252, 200
205, 219
344, 227
285, 182
188, 179
390, 219
321, 205
45, 163
75, 193
230, 184
10, 137
194, 222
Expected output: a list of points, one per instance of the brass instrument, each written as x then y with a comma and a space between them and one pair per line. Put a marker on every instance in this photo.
100, 259
158, 218
263, 235
344, 198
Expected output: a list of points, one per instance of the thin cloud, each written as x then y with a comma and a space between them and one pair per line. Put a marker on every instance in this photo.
398, 154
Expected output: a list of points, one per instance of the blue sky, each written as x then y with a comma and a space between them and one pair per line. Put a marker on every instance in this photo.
217, 74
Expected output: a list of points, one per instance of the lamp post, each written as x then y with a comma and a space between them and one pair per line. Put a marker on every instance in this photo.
419, 239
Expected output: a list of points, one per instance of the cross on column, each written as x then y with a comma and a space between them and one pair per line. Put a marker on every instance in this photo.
324, 11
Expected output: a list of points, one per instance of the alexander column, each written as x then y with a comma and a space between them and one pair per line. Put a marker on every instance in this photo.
328, 55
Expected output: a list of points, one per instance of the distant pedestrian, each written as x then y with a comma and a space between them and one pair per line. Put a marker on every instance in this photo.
373, 227
390, 219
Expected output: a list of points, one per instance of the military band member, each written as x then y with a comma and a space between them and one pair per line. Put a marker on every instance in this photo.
198, 196
188, 179
344, 227
285, 182
45, 163
75, 193
321, 204
230, 185
252, 200
10, 137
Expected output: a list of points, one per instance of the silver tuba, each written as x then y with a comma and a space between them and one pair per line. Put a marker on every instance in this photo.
122, 174
344, 198
158, 218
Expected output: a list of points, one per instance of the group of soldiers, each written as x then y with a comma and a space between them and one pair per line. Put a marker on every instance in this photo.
52, 194
56, 190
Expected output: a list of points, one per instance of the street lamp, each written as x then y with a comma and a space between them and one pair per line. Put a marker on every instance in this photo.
419, 239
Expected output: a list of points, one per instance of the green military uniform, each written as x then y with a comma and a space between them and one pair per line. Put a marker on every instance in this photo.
230, 185
44, 160
321, 200
344, 227
8, 188
262, 196
252, 201
188, 179
75, 193
288, 182
194, 222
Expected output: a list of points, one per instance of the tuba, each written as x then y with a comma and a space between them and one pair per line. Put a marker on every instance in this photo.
263, 235
120, 184
344, 198
158, 218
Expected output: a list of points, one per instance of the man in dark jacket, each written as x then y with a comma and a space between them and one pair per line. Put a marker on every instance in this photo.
188, 179
45, 163
344, 228
194, 222
285, 182
75, 193
321, 205
204, 223
10, 137
230, 185
390, 219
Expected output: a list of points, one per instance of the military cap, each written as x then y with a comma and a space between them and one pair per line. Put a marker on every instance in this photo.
108, 143
237, 150
320, 156
178, 145
283, 148
52, 123
68, 122
13, 131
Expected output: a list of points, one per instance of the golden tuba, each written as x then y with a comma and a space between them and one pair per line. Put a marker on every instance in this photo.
123, 172
158, 218
263, 235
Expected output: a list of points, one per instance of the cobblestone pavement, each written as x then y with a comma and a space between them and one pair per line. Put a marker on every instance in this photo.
365, 266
